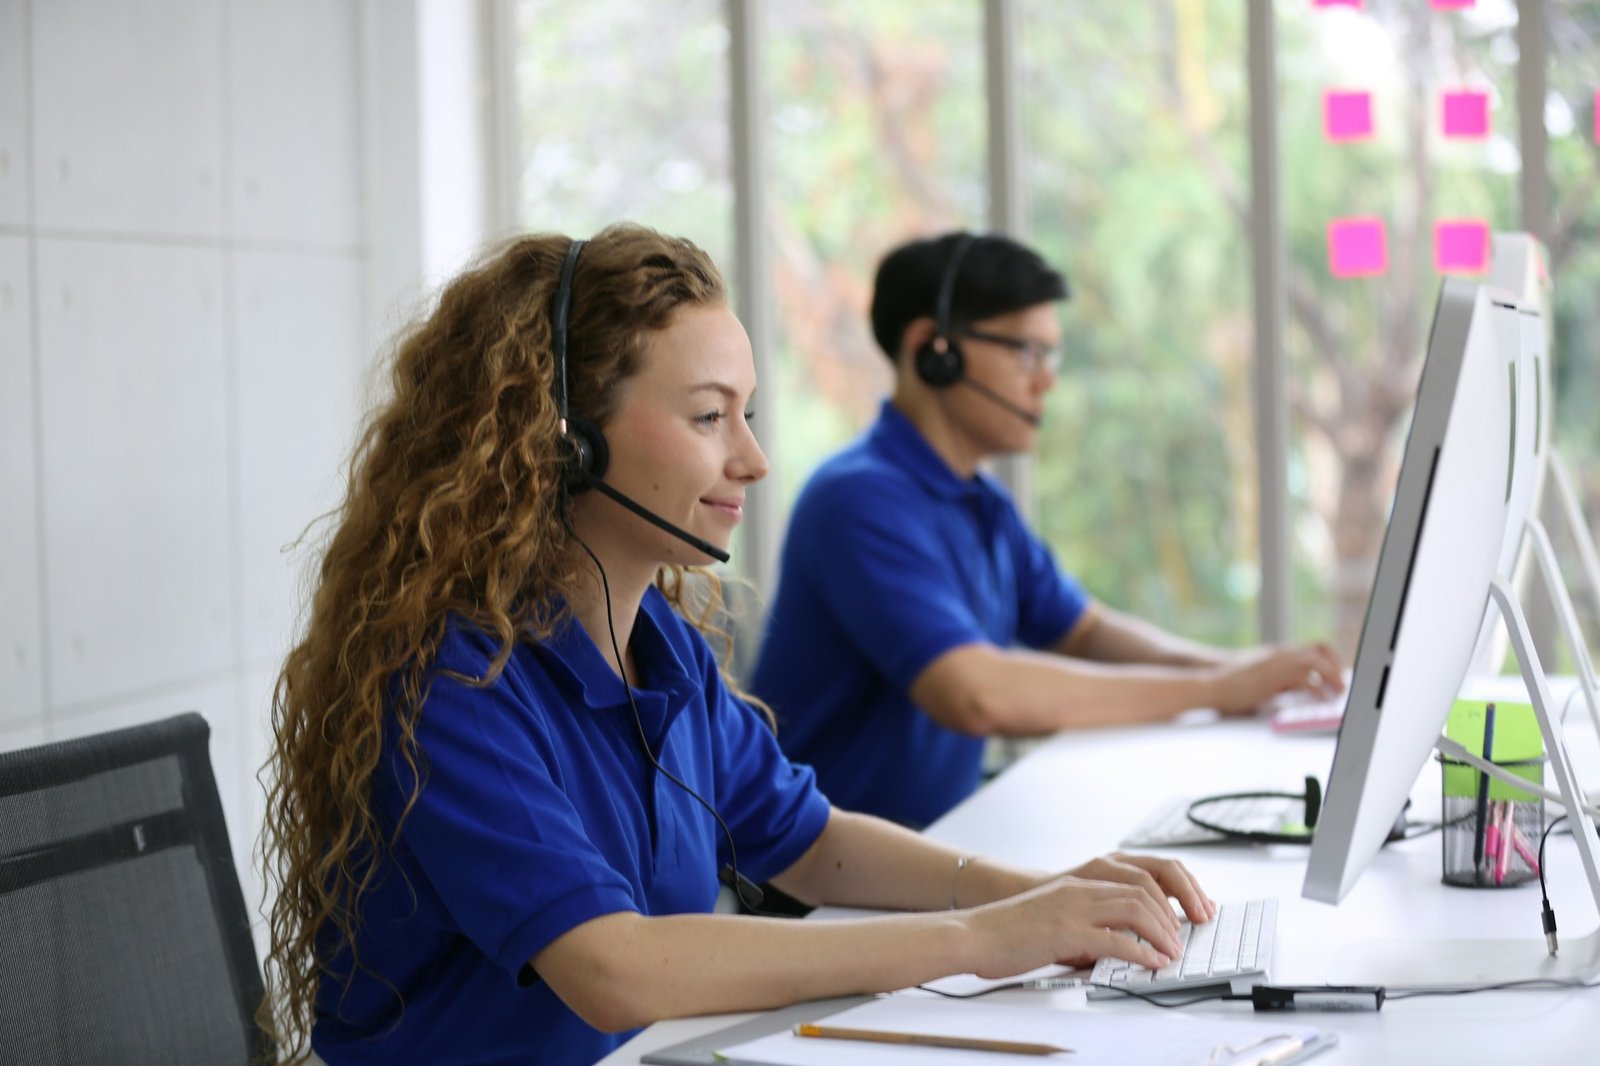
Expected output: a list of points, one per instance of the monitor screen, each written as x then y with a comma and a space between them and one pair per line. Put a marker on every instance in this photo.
1442, 549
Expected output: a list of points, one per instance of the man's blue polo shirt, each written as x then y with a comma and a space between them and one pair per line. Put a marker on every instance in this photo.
539, 812
890, 561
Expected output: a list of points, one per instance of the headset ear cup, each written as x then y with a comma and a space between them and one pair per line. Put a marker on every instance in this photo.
940, 363
587, 454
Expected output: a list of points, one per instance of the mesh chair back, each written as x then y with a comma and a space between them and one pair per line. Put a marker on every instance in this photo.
123, 932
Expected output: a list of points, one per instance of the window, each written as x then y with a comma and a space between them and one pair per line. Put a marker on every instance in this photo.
876, 136
1137, 184
1355, 342
622, 118
1573, 125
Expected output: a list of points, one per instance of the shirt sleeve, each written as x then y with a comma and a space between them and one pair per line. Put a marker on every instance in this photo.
772, 806
885, 581
492, 827
1050, 600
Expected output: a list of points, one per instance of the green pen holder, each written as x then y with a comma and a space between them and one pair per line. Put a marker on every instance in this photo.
1490, 829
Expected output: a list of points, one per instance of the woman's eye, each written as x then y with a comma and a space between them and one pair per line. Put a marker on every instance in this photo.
749, 416
710, 418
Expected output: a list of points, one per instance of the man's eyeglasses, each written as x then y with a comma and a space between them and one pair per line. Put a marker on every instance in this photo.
1033, 355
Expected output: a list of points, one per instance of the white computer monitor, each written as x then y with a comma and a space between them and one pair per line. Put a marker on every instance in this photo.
1519, 333
1441, 551
1437, 571
1519, 276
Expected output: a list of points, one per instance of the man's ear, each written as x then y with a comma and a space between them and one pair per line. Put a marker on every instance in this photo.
918, 332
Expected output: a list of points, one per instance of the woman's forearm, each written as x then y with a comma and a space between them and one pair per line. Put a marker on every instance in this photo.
623, 971
862, 861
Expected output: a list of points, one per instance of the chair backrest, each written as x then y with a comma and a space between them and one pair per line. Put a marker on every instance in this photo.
123, 933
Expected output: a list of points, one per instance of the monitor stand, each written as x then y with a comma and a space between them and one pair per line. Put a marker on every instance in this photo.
1454, 964
1544, 559
1577, 526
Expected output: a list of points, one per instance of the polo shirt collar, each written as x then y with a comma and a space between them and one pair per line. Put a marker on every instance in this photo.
571, 653
897, 438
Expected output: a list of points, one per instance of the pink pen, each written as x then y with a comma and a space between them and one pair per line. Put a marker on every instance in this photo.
1522, 849
1508, 825
1491, 840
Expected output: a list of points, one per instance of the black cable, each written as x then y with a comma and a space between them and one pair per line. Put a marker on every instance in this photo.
739, 882
1531, 982
974, 995
1547, 915
1542, 838
1153, 999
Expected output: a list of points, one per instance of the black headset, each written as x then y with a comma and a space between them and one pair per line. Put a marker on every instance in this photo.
940, 363
1312, 797
585, 456
584, 452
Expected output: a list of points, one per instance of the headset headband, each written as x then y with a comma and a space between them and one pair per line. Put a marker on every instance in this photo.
947, 287
558, 324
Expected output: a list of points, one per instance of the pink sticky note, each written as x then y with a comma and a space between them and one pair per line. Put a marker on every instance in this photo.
1346, 116
1451, 5
1357, 247
1465, 113
1461, 246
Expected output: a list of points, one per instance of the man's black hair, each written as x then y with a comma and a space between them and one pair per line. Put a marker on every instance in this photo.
996, 276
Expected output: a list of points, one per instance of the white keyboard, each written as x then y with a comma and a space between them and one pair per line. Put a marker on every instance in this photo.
1169, 826
1233, 949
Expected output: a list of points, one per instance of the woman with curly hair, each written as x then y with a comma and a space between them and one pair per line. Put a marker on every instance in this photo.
508, 770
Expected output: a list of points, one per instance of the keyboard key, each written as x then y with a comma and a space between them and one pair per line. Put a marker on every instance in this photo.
1235, 946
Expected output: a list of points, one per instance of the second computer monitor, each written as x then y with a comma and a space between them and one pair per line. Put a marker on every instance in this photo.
1441, 551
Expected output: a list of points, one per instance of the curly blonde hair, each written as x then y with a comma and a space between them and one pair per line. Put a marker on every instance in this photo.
453, 507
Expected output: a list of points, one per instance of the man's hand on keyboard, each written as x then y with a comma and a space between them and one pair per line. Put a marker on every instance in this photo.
1252, 678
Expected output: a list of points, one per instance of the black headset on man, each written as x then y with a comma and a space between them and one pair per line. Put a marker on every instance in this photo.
585, 458
941, 363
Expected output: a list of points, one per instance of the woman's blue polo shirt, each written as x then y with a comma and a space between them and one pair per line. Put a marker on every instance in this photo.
539, 812
890, 561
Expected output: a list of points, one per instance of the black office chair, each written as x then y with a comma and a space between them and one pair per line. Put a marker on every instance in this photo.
123, 933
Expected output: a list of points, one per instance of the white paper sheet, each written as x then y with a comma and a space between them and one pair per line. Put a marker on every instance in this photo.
1095, 1038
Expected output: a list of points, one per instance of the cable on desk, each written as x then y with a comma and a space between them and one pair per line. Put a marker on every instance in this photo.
1153, 998
1527, 983
1037, 984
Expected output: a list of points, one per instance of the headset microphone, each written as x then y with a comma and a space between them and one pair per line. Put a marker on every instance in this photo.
585, 454
994, 397
941, 363
660, 523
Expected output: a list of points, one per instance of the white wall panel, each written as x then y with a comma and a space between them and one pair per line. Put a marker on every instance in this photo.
13, 113
255, 742
135, 467
300, 364
294, 120
29, 735
21, 673
127, 115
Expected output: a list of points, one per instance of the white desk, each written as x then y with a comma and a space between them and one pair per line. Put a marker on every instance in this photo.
1075, 795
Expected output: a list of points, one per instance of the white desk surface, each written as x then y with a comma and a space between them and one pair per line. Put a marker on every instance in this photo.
1076, 794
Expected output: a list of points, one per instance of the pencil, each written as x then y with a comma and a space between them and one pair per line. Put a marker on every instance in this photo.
923, 1040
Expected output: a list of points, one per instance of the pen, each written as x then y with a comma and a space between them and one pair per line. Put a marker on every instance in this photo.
1282, 1054
1521, 845
1483, 792
1492, 842
877, 1036
1507, 826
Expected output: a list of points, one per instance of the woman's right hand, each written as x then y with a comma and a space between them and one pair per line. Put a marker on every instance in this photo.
1073, 921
